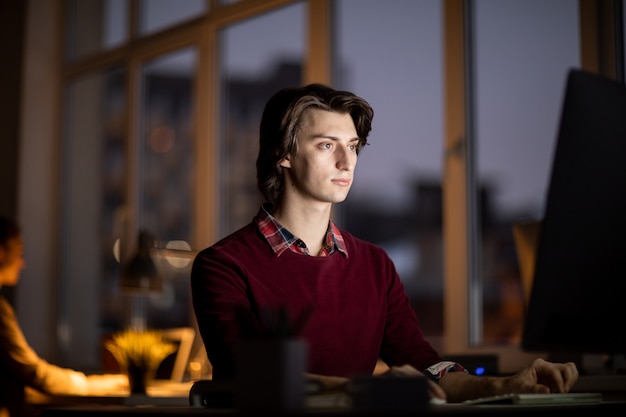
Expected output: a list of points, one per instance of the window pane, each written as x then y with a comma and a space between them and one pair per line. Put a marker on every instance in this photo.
157, 15
93, 181
95, 25
523, 52
256, 62
166, 152
396, 197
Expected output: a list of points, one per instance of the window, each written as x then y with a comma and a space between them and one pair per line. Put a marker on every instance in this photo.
166, 177
128, 165
157, 15
94, 26
93, 178
255, 63
519, 89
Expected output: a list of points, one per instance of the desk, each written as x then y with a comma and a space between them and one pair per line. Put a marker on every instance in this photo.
600, 409
169, 399
159, 394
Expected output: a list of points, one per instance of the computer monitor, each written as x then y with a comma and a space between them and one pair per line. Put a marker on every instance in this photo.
578, 297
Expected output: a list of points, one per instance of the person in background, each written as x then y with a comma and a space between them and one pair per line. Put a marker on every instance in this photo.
20, 366
344, 292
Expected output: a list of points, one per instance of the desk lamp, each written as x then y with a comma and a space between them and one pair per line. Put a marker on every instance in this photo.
140, 278
141, 273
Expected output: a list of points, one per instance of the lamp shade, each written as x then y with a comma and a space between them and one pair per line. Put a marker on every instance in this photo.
141, 274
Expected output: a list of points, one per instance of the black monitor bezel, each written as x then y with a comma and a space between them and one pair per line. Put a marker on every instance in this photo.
578, 296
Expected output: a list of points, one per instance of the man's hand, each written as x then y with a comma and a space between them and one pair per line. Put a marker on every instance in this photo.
542, 376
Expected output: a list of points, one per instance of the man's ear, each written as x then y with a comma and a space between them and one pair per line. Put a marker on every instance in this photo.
285, 162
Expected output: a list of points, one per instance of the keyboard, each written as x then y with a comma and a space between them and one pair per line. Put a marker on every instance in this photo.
535, 399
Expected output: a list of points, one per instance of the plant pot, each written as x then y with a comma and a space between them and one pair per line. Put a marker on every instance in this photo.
139, 377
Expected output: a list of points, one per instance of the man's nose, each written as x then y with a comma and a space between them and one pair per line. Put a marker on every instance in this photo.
346, 159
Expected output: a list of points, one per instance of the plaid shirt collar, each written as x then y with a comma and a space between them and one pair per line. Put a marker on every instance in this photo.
281, 239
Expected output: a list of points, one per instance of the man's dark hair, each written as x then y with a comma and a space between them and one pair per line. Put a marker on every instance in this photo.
280, 122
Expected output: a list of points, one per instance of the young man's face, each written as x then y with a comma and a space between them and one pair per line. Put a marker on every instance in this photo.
322, 167
11, 261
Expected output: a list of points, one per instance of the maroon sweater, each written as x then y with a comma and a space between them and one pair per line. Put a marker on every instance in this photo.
359, 310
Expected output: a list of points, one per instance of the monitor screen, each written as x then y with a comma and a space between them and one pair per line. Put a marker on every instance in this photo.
578, 296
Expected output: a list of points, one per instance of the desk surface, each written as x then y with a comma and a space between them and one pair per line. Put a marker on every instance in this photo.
166, 398
605, 408
160, 392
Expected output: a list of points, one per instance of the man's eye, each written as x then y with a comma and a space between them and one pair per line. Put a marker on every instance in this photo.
352, 147
326, 145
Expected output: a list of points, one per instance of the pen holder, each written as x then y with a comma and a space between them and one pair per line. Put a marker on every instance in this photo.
270, 375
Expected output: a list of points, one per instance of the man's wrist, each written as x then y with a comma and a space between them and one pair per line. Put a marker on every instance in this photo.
436, 371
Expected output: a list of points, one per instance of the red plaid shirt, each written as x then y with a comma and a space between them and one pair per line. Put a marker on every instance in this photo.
281, 239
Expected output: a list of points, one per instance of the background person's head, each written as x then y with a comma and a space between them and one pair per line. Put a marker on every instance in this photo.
11, 252
280, 122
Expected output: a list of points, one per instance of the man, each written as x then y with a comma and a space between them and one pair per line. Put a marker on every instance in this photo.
20, 366
292, 258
